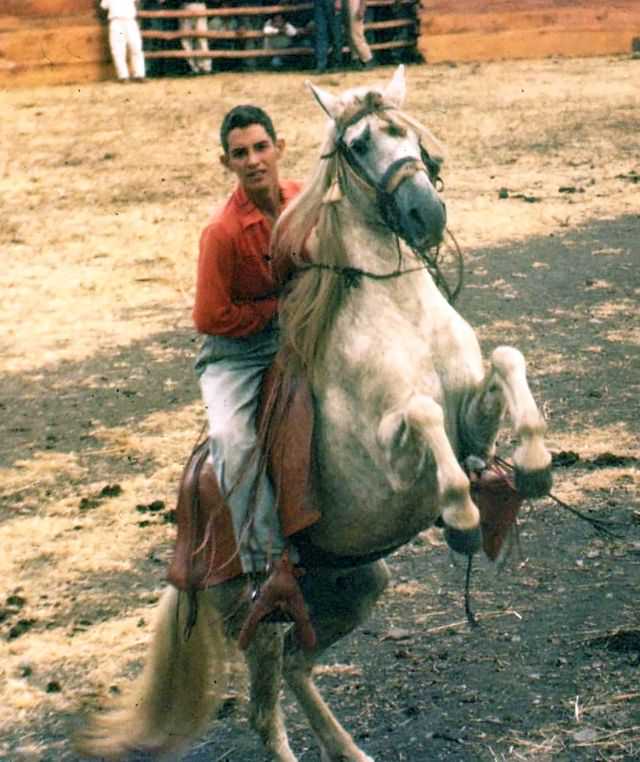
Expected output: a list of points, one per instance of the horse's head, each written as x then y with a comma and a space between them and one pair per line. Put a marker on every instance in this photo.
383, 147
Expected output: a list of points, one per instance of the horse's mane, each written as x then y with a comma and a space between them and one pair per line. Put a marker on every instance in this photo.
310, 231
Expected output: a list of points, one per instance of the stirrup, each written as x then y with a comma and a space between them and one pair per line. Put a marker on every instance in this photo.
280, 599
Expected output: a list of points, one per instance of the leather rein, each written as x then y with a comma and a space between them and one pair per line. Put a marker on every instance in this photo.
384, 189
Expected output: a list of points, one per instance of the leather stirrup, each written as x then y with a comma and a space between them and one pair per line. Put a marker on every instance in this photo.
280, 595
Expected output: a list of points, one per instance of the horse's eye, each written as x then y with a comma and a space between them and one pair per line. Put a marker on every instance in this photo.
395, 131
360, 146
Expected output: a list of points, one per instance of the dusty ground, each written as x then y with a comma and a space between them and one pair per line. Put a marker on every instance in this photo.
104, 189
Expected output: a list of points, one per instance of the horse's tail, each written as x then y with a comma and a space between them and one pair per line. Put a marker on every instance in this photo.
173, 699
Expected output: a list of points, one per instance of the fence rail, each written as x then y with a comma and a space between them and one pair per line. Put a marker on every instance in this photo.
260, 10
253, 34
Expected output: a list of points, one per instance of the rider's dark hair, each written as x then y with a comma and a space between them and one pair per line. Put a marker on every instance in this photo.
245, 116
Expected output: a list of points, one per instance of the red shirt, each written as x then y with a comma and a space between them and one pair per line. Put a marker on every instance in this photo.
235, 288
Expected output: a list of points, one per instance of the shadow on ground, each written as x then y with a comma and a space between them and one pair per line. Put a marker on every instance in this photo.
552, 673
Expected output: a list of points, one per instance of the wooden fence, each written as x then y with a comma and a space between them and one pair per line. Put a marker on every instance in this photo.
47, 42
55, 41
236, 33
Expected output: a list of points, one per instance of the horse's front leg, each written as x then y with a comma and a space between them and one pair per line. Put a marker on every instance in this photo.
506, 385
411, 436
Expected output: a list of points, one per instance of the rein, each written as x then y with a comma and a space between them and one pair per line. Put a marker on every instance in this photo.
353, 275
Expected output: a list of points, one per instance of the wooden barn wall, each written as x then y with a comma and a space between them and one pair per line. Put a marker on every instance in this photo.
46, 42
483, 30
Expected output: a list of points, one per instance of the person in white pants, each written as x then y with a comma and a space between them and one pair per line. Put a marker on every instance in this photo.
353, 12
124, 37
195, 24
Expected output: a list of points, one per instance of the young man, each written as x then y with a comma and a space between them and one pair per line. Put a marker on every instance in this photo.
235, 307
124, 37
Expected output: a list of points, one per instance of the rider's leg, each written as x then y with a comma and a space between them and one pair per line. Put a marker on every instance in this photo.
231, 388
231, 383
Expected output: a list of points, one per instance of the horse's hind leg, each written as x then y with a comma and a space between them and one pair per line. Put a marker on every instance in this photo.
338, 601
264, 662
264, 659
506, 384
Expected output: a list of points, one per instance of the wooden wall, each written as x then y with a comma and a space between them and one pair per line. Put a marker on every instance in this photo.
44, 42
482, 30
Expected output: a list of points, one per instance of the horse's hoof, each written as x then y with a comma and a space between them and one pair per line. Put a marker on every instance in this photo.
464, 541
532, 484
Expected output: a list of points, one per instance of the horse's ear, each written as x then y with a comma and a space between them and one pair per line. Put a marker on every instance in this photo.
396, 90
329, 103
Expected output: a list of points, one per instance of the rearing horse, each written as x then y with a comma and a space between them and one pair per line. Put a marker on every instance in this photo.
402, 399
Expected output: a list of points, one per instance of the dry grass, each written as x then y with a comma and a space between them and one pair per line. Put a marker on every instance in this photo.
104, 191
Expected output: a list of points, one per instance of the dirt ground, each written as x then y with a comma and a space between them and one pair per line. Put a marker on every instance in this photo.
103, 191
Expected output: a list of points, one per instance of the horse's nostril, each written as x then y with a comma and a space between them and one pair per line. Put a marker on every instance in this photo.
415, 216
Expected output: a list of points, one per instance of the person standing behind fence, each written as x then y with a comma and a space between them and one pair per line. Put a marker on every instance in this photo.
328, 24
353, 12
125, 37
195, 24
278, 34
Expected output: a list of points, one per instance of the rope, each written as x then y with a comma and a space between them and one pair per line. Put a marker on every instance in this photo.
471, 617
353, 275
603, 526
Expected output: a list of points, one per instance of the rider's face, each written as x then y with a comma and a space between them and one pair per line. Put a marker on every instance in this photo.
253, 157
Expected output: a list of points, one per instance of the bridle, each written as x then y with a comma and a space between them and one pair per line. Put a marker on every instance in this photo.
399, 170
384, 190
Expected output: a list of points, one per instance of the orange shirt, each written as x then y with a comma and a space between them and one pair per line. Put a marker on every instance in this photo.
236, 294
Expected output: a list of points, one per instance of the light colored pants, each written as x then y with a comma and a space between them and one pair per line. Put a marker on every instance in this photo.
231, 388
124, 35
355, 31
195, 24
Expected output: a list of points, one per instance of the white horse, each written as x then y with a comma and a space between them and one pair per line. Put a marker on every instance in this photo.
402, 400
